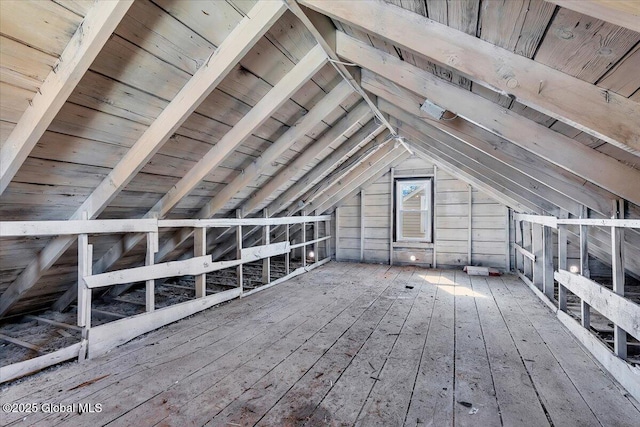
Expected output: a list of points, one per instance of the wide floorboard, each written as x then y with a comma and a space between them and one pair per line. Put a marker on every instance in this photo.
345, 344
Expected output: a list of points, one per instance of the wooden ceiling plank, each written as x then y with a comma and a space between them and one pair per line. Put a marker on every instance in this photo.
573, 156
544, 172
353, 180
369, 154
359, 116
252, 172
82, 49
261, 112
582, 46
625, 13
624, 77
516, 25
553, 92
459, 168
326, 166
204, 81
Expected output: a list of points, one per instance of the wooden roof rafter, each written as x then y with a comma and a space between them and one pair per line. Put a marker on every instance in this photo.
204, 81
625, 13
87, 42
574, 156
550, 91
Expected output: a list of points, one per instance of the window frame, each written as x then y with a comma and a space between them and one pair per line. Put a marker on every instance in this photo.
428, 234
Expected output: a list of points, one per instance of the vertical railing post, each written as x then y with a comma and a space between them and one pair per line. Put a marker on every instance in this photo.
547, 262
617, 263
392, 173
337, 234
526, 244
304, 240
562, 260
327, 243
538, 264
266, 262
200, 249
362, 224
152, 248
316, 236
584, 266
239, 251
85, 258
469, 224
287, 256
518, 257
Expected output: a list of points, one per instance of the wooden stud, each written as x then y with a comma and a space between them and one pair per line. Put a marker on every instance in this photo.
507, 249
199, 250
435, 217
337, 234
327, 246
617, 266
392, 172
85, 45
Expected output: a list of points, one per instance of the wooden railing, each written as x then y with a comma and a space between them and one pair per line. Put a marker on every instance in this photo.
100, 339
534, 263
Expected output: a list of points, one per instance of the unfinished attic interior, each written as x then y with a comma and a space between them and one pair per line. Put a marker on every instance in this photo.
308, 212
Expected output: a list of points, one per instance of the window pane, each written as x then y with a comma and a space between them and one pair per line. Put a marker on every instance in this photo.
414, 224
414, 196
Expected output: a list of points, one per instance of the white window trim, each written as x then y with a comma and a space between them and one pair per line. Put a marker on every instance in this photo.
428, 238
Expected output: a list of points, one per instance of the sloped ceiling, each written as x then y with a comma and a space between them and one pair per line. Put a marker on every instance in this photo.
160, 47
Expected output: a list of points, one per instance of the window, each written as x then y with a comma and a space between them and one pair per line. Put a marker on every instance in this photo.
413, 210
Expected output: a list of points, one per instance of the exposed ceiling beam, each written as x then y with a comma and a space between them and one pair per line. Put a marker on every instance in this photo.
456, 166
357, 117
223, 246
302, 126
506, 175
92, 34
250, 29
560, 181
324, 32
625, 13
566, 98
563, 151
264, 109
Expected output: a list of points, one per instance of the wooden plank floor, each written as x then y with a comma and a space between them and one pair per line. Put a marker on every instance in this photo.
346, 344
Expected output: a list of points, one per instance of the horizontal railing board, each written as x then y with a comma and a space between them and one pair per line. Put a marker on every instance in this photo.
105, 337
75, 227
621, 311
189, 267
233, 222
